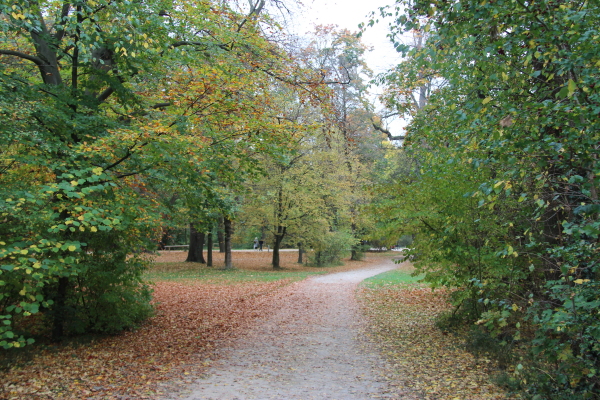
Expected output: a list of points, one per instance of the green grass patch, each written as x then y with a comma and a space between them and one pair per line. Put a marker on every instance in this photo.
186, 271
391, 278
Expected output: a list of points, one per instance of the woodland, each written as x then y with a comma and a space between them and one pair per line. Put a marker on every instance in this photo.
124, 121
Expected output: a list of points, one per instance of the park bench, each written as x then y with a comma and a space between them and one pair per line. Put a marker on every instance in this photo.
170, 247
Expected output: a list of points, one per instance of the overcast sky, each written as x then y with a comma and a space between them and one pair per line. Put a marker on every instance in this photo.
348, 14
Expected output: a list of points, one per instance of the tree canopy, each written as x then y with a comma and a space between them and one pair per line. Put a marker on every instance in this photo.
501, 176
108, 106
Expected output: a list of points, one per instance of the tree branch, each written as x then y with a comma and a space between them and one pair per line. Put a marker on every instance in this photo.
160, 105
60, 32
205, 46
255, 9
105, 94
38, 61
389, 134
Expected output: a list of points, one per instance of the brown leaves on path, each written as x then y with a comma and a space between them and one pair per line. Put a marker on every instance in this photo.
426, 363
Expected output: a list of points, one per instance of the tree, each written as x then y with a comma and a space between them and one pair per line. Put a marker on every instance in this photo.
339, 56
108, 104
304, 195
517, 123
195, 253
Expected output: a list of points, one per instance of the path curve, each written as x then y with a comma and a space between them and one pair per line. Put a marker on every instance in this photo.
308, 349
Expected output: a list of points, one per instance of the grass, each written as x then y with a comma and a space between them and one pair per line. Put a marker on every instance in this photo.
173, 271
397, 277
394, 277
249, 266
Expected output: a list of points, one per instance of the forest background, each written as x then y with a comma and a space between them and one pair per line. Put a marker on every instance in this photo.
123, 120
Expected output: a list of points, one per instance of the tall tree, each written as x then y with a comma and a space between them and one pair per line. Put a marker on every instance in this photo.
339, 56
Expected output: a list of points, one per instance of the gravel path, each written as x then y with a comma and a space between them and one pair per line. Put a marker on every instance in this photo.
308, 349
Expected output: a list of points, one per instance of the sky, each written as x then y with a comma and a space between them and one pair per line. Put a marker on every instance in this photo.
349, 14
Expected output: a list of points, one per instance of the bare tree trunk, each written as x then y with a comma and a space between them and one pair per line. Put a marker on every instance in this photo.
59, 309
300, 253
220, 237
196, 246
277, 243
228, 234
209, 245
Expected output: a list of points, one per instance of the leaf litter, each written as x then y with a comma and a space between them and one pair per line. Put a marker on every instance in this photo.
424, 362
195, 319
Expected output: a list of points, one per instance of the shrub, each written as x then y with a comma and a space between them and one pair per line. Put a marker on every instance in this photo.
330, 249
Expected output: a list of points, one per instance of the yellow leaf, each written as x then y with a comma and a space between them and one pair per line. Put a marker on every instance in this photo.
571, 87
72, 248
487, 100
515, 307
94, 229
23, 292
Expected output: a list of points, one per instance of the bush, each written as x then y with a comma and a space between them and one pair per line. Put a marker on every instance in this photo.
108, 296
330, 249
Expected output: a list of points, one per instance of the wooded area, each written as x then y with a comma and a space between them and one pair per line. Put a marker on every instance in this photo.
499, 176
123, 121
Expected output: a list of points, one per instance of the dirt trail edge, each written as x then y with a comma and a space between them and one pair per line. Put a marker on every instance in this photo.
308, 349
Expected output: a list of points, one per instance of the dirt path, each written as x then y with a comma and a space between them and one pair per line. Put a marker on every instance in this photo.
308, 349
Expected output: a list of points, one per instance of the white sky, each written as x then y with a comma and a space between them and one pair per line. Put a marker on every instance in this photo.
348, 14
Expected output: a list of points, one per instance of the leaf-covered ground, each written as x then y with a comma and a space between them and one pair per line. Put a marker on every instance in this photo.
425, 362
197, 310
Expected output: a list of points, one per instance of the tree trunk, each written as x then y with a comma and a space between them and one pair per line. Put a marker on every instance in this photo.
164, 239
356, 250
220, 237
228, 234
277, 243
355, 256
209, 249
196, 246
59, 310
300, 252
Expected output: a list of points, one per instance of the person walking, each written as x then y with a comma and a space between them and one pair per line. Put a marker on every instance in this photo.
255, 243
260, 244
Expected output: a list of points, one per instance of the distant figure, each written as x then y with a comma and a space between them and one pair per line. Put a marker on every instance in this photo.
260, 244
255, 243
